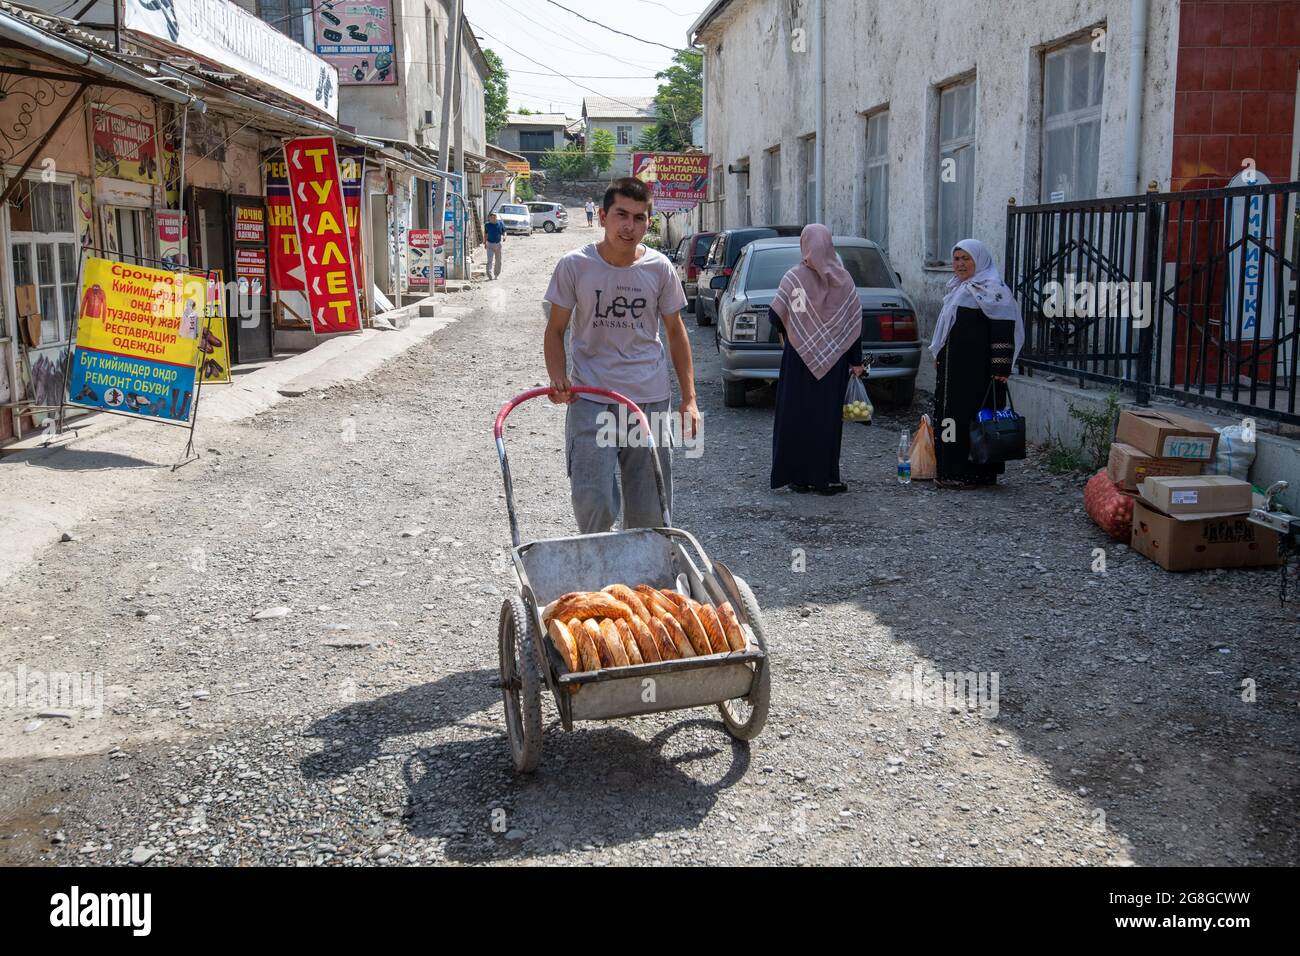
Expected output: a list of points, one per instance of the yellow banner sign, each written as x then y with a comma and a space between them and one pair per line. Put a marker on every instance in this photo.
137, 345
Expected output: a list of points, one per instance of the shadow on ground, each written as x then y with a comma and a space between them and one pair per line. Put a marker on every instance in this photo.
601, 785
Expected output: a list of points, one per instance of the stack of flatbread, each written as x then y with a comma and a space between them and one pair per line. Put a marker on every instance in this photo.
619, 626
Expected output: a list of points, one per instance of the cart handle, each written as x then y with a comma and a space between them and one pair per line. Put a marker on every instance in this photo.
498, 434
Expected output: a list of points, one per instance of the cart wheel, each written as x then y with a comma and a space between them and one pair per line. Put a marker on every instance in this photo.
746, 716
521, 688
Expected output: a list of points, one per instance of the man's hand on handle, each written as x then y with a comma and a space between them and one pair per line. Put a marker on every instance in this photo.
563, 391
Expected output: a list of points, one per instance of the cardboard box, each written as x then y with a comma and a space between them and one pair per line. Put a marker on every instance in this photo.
1166, 435
1185, 544
1199, 496
1128, 467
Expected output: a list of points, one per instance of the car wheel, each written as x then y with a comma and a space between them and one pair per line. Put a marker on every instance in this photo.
733, 393
548, 226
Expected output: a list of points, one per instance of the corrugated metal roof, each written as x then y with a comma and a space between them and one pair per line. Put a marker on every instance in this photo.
537, 119
626, 107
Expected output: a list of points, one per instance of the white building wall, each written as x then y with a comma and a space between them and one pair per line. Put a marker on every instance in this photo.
760, 93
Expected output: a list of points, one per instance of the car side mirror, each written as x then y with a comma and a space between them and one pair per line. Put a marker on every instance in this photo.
718, 282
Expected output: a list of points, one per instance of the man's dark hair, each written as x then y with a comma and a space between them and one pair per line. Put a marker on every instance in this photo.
629, 187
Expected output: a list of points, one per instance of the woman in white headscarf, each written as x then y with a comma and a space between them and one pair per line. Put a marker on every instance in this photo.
976, 341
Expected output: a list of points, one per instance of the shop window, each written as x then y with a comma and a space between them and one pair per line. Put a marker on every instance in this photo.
43, 253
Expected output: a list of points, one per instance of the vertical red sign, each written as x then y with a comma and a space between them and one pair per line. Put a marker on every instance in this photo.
316, 188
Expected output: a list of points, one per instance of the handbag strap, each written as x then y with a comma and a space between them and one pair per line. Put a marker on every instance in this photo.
1011, 404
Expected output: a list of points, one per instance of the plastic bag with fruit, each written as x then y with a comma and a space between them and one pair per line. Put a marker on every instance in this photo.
924, 465
857, 407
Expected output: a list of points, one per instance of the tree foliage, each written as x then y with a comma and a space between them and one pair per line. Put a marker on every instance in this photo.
496, 96
574, 162
678, 102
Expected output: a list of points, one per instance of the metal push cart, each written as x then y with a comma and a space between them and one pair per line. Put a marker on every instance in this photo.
737, 682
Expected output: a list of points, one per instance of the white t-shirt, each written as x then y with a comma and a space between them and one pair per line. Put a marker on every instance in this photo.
614, 339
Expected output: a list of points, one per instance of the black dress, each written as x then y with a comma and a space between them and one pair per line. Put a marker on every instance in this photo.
809, 418
977, 349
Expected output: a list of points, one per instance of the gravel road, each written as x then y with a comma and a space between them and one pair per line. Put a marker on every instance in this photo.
1135, 717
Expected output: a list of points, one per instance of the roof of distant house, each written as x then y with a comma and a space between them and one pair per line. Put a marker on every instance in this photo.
627, 107
537, 119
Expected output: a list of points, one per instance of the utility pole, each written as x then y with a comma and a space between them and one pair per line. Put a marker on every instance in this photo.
462, 207
451, 70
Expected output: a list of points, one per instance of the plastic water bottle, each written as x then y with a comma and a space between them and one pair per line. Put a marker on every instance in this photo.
904, 459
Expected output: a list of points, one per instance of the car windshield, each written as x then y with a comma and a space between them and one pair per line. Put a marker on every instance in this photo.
702, 244
866, 265
514, 210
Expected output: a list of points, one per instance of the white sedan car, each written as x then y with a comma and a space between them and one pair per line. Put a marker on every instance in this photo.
517, 219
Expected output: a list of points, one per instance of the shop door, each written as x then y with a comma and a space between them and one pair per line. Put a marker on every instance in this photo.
251, 299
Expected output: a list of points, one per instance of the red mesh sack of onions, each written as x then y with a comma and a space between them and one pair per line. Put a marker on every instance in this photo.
1108, 506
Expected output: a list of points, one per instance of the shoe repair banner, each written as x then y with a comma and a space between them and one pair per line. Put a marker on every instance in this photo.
316, 190
137, 346
214, 364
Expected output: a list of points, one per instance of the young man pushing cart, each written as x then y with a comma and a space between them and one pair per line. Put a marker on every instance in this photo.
613, 295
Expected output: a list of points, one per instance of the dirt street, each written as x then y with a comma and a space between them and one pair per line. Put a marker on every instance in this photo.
1133, 717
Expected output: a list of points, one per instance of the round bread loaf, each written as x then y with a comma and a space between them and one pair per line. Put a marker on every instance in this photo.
590, 604
629, 642
588, 643
709, 618
629, 597
667, 647
731, 626
565, 643
645, 640
613, 643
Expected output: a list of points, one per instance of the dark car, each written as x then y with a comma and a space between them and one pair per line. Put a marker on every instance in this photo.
722, 260
687, 260
751, 351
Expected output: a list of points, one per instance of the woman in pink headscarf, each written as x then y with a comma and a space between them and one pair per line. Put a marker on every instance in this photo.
818, 315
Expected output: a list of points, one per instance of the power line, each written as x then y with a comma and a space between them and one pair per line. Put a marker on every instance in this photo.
587, 76
545, 25
559, 74
611, 29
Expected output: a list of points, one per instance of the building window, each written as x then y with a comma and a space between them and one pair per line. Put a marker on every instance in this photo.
1072, 85
773, 177
285, 15
956, 168
877, 178
623, 135
43, 253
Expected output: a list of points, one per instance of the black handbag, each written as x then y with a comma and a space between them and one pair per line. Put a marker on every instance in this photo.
999, 439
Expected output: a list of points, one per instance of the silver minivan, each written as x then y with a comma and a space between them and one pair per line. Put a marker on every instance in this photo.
750, 349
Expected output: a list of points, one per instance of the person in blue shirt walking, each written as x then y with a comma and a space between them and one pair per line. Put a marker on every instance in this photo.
495, 234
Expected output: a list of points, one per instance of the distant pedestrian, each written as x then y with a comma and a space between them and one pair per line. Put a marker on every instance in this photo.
818, 316
591, 212
495, 234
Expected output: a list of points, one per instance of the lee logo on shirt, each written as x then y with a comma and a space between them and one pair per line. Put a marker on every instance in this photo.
620, 308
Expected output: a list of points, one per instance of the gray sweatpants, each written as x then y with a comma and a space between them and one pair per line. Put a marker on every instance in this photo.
594, 470
493, 258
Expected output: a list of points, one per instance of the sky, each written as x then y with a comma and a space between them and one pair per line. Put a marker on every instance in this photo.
577, 49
